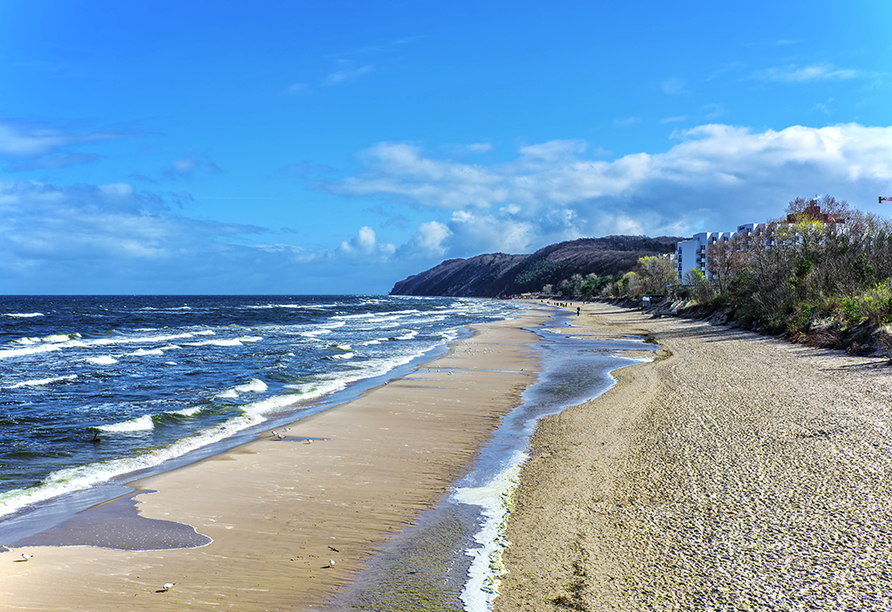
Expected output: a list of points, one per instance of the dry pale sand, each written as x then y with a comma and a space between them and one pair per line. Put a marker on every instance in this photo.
279, 510
737, 472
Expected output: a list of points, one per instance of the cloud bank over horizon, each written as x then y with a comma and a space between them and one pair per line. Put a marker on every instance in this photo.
713, 177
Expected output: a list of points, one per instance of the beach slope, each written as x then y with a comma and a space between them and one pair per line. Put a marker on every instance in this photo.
294, 519
735, 472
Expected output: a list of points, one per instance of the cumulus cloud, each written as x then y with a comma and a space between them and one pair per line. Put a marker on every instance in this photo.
714, 177
428, 241
365, 244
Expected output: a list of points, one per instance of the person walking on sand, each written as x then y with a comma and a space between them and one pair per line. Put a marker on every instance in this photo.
578, 310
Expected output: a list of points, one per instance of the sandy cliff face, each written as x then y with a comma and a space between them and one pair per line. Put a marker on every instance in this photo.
498, 274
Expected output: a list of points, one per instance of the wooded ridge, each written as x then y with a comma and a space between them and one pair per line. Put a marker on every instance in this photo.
498, 274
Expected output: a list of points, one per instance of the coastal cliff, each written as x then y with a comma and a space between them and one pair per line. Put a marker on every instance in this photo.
496, 274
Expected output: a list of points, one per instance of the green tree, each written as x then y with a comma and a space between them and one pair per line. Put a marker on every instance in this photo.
657, 273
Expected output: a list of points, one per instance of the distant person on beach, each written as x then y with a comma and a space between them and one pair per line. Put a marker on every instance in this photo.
578, 310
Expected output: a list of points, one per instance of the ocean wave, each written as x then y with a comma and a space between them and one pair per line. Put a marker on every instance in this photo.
144, 352
142, 423
41, 382
270, 404
103, 360
255, 385
23, 315
187, 411
58, 338
230, 342
82, 477
31, 350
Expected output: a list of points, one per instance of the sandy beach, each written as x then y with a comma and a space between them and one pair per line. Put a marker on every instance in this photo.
280, 510
737, 472
733, 472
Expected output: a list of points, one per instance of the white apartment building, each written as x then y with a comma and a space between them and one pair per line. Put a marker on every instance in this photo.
693, 253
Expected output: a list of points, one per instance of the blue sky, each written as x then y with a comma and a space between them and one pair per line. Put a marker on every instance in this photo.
337, 147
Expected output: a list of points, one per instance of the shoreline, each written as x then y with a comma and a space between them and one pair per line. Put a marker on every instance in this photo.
278, 511
737, 472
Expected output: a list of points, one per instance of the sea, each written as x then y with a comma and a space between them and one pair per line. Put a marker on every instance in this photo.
96, 391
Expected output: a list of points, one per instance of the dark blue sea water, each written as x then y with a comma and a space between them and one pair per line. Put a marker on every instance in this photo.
156, 377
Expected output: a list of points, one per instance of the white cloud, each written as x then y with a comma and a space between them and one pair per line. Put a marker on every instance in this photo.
18, 139
187, 166
427, 241
479, 147
346, 75
675, 86
794, 74
714, 177
627, 121
298, 89
366, 244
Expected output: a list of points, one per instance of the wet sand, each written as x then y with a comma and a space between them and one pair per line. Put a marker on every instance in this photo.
280, 510
738, 472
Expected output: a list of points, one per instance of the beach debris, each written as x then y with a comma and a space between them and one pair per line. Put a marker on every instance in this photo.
333, 548
167, 586
331, 563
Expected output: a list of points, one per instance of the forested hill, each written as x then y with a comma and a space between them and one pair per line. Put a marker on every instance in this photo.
498, 274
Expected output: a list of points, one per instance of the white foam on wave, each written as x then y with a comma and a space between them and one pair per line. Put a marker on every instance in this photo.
57, 338
187, 411
230, 342
255, 385
23, 315
144, 352
325, 328
31, 350
228, 394
409, 335
68, 480
132, 339
41, 382
142, 423
495, 500
103, 360
270, 404
449, 334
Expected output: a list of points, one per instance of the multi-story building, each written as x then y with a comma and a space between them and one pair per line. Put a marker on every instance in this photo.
694, 253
